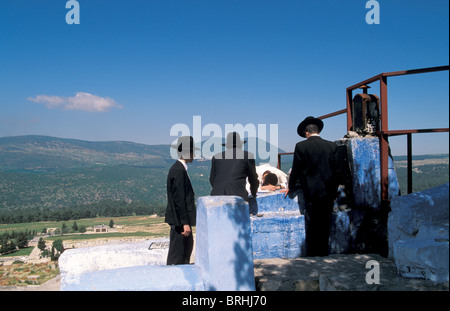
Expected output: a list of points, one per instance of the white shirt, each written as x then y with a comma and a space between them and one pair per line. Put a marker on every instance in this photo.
184, 164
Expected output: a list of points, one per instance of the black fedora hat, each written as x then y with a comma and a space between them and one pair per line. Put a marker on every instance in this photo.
234, 140
185, 143
309, 120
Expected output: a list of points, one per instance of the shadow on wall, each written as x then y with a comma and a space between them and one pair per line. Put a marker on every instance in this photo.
224, 245
242, 247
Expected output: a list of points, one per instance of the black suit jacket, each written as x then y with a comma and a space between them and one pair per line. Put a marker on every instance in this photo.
181, 208
314, 169
229, 171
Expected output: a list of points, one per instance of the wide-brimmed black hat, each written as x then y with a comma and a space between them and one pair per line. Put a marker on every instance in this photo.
185, 143
234, 140
309, 120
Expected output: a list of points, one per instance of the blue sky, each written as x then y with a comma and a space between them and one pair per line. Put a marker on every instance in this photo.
132, 69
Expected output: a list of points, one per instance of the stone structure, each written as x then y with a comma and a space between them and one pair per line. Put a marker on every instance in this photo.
278, 228
364, 158
223, 243
419, 234
228, 239
359, 226
77, 262
224, 258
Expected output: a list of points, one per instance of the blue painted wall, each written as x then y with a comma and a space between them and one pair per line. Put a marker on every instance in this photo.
365, 160
278, 229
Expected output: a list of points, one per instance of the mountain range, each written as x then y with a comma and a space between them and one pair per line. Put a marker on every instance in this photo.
50, 172
44, 153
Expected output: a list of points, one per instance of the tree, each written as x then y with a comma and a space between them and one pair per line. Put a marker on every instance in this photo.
58, 244
22, 240
11, 246
111, 223
3, 244
41, 244
64, 228
74, 226
57, 249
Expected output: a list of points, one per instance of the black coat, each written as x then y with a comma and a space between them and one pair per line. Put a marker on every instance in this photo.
314, 169
181, 208
229, 171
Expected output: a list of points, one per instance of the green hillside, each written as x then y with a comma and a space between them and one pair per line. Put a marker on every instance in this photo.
40, 172
49, 154
427, 171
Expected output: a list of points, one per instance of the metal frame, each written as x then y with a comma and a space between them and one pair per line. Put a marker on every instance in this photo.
384, 133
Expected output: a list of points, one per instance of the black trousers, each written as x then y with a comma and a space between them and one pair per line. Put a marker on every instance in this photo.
180, 247
317, 226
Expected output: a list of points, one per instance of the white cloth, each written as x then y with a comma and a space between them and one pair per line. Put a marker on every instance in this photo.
260, 169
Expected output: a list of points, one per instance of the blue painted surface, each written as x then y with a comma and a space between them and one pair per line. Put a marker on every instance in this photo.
418, 227
365, 156
139, 278
342, 233
277, 233
278, 230
228, 239
423, 258
274, 202
278, 236
224, 259
223, 243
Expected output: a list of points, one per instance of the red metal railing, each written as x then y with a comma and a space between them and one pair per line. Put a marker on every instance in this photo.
384, 133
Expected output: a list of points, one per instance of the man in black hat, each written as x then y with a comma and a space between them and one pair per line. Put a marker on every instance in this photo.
231, 168
314, 172
181, 211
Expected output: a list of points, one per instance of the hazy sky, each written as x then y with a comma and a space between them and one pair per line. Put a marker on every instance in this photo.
131, 70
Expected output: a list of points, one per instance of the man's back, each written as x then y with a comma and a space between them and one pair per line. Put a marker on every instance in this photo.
314, 166
229, 171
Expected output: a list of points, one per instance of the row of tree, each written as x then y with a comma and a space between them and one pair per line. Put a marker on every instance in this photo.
11, 242
56, 250
106, 208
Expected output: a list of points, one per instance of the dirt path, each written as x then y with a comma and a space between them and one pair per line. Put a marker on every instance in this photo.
51, 285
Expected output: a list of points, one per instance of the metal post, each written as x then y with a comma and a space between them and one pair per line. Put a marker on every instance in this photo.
384, 145
349, 110
409, 146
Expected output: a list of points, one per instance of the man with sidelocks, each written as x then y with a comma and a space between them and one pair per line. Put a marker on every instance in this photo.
181, 210
314, 173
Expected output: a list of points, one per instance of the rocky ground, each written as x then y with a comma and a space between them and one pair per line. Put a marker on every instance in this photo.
335, 273
331, 273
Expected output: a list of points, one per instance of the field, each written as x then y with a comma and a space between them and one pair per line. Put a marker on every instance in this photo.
23, 273
128, 226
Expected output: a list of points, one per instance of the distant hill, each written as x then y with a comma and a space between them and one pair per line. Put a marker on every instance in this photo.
43, 153
50, 172
47, 154
427, 171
